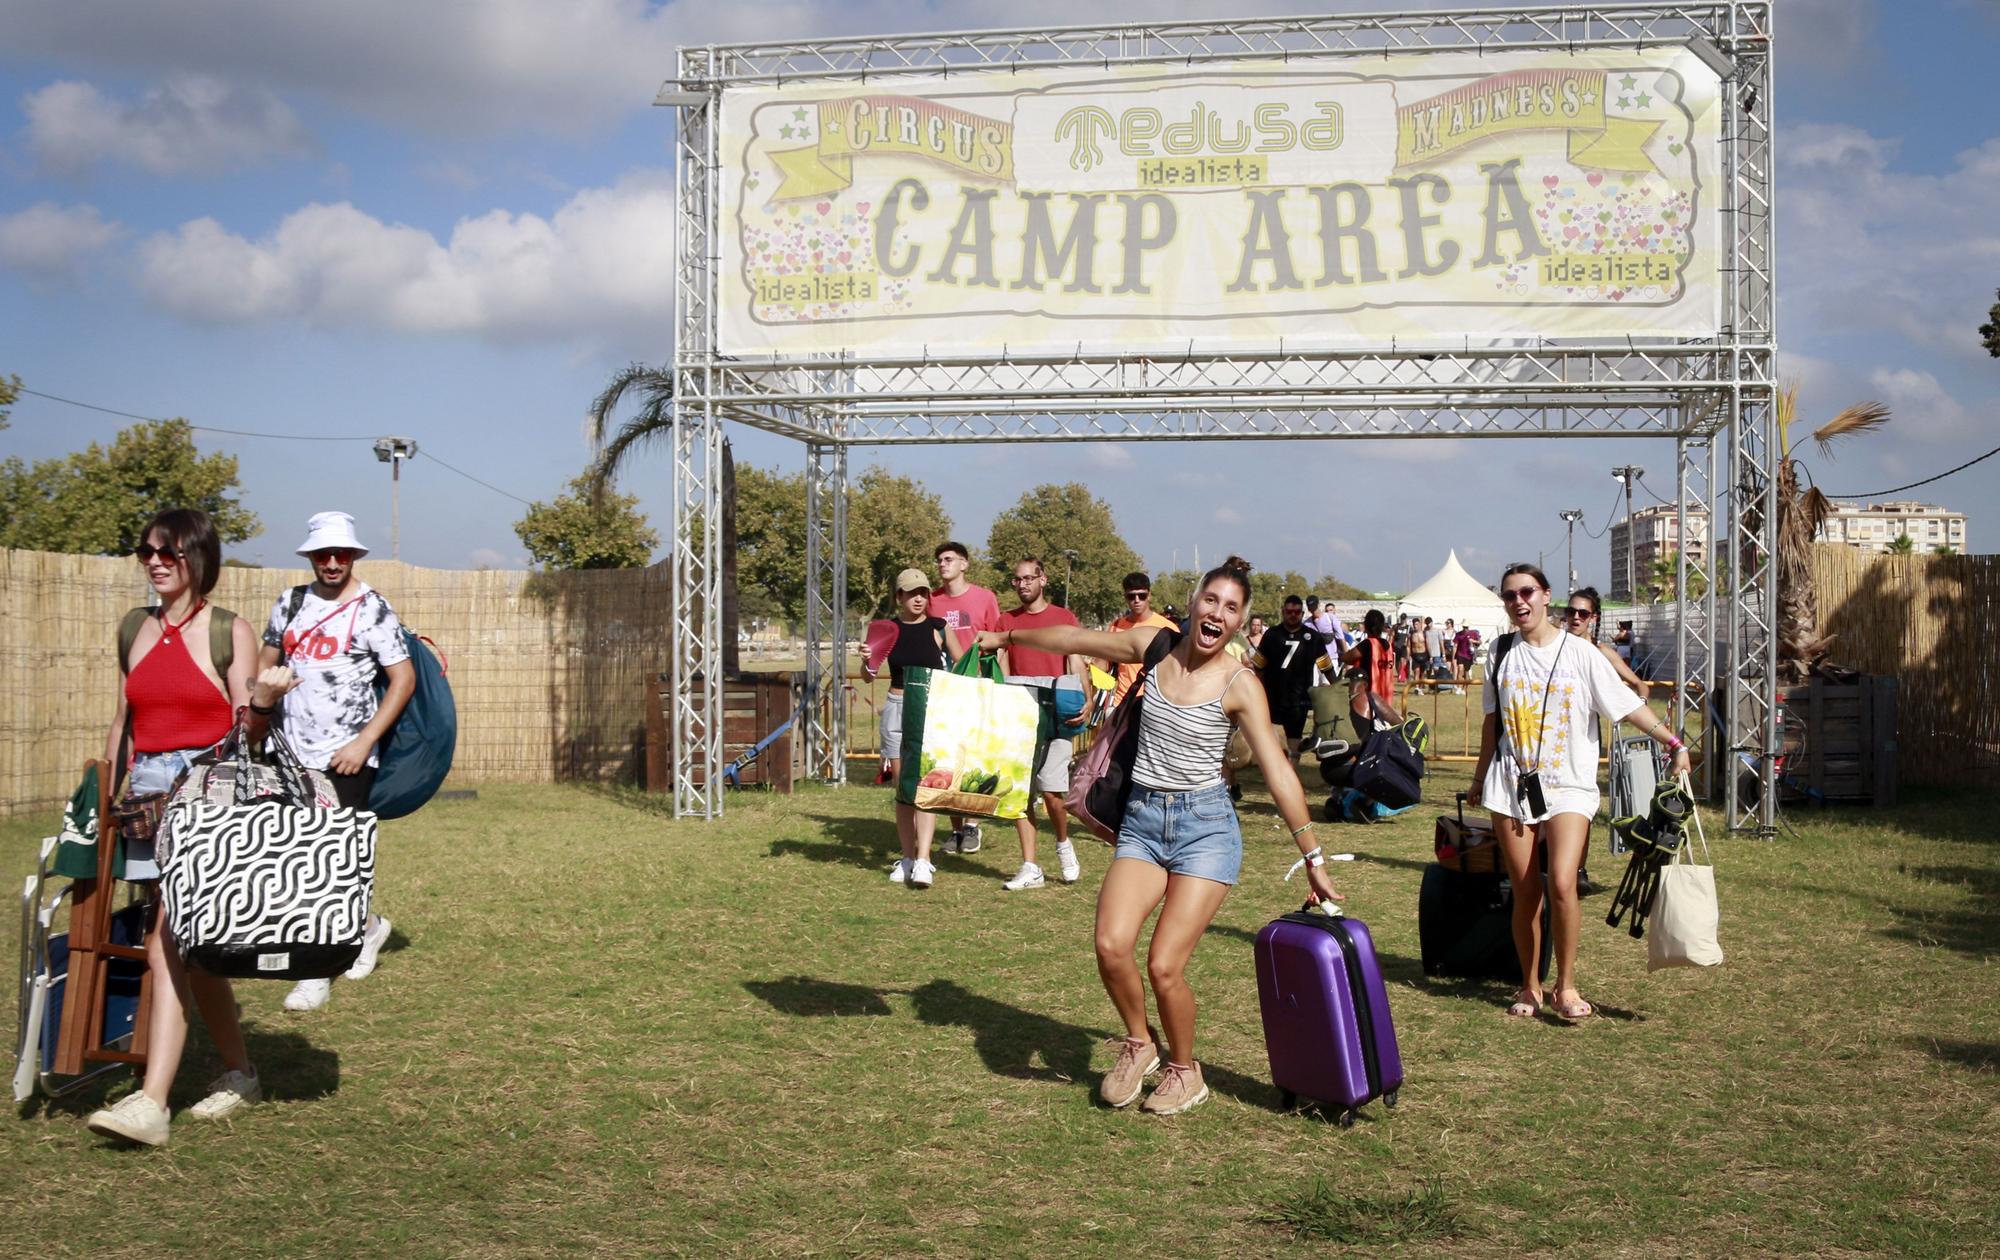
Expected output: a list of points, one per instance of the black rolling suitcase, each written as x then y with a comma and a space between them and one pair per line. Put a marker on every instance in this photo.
1465, 926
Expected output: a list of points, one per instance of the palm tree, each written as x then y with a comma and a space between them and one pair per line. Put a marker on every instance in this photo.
1800, 516
654, 391
1902, 545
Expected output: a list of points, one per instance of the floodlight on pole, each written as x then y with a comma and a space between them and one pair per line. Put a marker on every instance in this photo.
1625, 475
1712, 57
393, 451
1570, 516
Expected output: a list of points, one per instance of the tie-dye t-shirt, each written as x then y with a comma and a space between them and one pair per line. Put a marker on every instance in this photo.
1565, 730
336, 648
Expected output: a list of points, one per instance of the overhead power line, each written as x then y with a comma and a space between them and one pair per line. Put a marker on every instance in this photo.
279, 437
1876, 494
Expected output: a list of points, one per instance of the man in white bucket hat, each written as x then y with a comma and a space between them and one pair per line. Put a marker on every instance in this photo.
323, 648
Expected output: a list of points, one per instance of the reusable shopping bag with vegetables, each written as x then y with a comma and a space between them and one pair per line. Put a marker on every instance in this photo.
970, 739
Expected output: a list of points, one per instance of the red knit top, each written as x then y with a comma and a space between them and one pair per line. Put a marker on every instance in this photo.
173, 704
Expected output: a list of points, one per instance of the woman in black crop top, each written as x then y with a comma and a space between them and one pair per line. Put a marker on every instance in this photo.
922, 642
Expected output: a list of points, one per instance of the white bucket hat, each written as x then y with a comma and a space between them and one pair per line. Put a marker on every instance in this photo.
327, 530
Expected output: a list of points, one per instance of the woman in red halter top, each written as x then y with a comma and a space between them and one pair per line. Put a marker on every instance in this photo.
173, 706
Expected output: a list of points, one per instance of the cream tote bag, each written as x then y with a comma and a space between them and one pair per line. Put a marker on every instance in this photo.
1686, 916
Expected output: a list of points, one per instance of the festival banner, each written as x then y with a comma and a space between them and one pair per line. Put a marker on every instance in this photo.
1230, 207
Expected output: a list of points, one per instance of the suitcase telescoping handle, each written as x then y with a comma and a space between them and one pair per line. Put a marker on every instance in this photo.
1461, 811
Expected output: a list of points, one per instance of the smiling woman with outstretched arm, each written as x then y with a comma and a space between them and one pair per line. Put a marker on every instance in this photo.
1179, 847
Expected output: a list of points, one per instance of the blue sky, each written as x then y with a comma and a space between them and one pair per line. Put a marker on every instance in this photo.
449, 221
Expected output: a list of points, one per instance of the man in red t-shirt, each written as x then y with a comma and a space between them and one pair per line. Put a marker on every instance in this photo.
1032, 665
967, 609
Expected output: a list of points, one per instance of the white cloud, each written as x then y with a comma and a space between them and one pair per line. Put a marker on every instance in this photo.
600, 265
47, 240
1920, 403
189, 124
1108, 458
1228, 516
1869, 248
494, 66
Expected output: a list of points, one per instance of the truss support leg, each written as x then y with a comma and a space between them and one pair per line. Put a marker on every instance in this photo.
1753, 620
694, 693
826, 612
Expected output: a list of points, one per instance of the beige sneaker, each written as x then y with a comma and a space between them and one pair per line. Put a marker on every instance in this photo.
1180, 1088
1137, 1059
228, 1094
136, 1118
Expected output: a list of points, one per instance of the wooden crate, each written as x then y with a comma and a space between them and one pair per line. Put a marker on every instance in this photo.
1847, 740
753, 706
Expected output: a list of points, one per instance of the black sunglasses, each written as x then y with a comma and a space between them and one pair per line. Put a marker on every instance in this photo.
146, 552
1138, 594
1519, 594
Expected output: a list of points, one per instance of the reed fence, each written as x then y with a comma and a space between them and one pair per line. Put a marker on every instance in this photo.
1927, 621
548, 670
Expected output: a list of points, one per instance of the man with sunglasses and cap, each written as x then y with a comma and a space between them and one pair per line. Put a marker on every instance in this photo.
323, 648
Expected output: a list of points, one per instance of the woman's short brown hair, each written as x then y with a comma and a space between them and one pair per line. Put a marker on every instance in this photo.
190, 532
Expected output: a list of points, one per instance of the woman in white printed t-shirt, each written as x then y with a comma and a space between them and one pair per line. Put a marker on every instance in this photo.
1537, 771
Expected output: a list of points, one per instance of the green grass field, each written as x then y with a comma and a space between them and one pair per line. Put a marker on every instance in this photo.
601, 1031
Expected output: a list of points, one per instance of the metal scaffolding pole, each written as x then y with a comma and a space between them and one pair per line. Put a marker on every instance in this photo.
826, 612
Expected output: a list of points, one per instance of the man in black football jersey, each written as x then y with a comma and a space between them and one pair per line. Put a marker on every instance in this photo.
1285, 660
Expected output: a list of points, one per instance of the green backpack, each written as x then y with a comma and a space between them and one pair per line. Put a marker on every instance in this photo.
221, 638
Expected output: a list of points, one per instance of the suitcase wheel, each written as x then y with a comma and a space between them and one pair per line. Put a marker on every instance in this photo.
1287, 1100
1345, 1118
1389, 1099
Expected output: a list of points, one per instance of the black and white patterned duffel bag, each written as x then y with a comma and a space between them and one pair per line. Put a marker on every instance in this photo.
274, 887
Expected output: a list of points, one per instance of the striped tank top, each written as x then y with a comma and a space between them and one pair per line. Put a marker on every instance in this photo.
1181, 746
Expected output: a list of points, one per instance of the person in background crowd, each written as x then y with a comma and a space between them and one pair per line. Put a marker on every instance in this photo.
1423, 648
1038, 667
1399, 643
1321, 617
1466, 647
922, 641
324, 647
1447, 653
967, 609
1583, 618
1180, 847
1621, 642
1138, 612
1287, 659
1253, 634
1371, 678
175, 702
1543, 701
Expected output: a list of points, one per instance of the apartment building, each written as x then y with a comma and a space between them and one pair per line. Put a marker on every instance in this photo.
1653, 531
1877, 526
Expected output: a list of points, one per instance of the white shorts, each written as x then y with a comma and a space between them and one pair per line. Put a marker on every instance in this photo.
1498, 794
1054, 773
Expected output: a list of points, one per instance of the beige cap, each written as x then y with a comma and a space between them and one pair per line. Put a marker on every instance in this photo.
912, 580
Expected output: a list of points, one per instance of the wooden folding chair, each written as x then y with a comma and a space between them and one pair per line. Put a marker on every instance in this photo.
80, 1041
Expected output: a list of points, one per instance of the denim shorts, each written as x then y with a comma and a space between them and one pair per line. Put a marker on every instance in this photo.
1188, 833
152, 772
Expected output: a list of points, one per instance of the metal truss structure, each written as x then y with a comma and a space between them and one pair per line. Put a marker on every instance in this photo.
1714, 398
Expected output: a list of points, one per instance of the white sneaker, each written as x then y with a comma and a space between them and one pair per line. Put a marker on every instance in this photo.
308, 995
1072, 870
372, 941
968, 838
1029, 876
922, 873
900, 871
228, 1094
136, 1118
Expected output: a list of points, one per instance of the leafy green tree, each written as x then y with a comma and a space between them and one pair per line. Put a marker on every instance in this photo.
1902, 545
10, 390
893, 524
1049, 520
575, 531
96, 500
1989, 332
1267, 590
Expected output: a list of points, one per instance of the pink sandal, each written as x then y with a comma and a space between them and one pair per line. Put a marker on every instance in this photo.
1526, 1005
1572, 1010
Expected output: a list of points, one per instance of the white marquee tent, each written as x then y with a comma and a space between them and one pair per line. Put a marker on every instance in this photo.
1454, 593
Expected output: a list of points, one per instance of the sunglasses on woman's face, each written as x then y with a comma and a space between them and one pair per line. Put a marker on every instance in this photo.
1519, 594
1569, 614
146, 552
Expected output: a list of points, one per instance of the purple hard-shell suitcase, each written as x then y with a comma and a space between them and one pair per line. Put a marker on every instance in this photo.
1326, 1013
